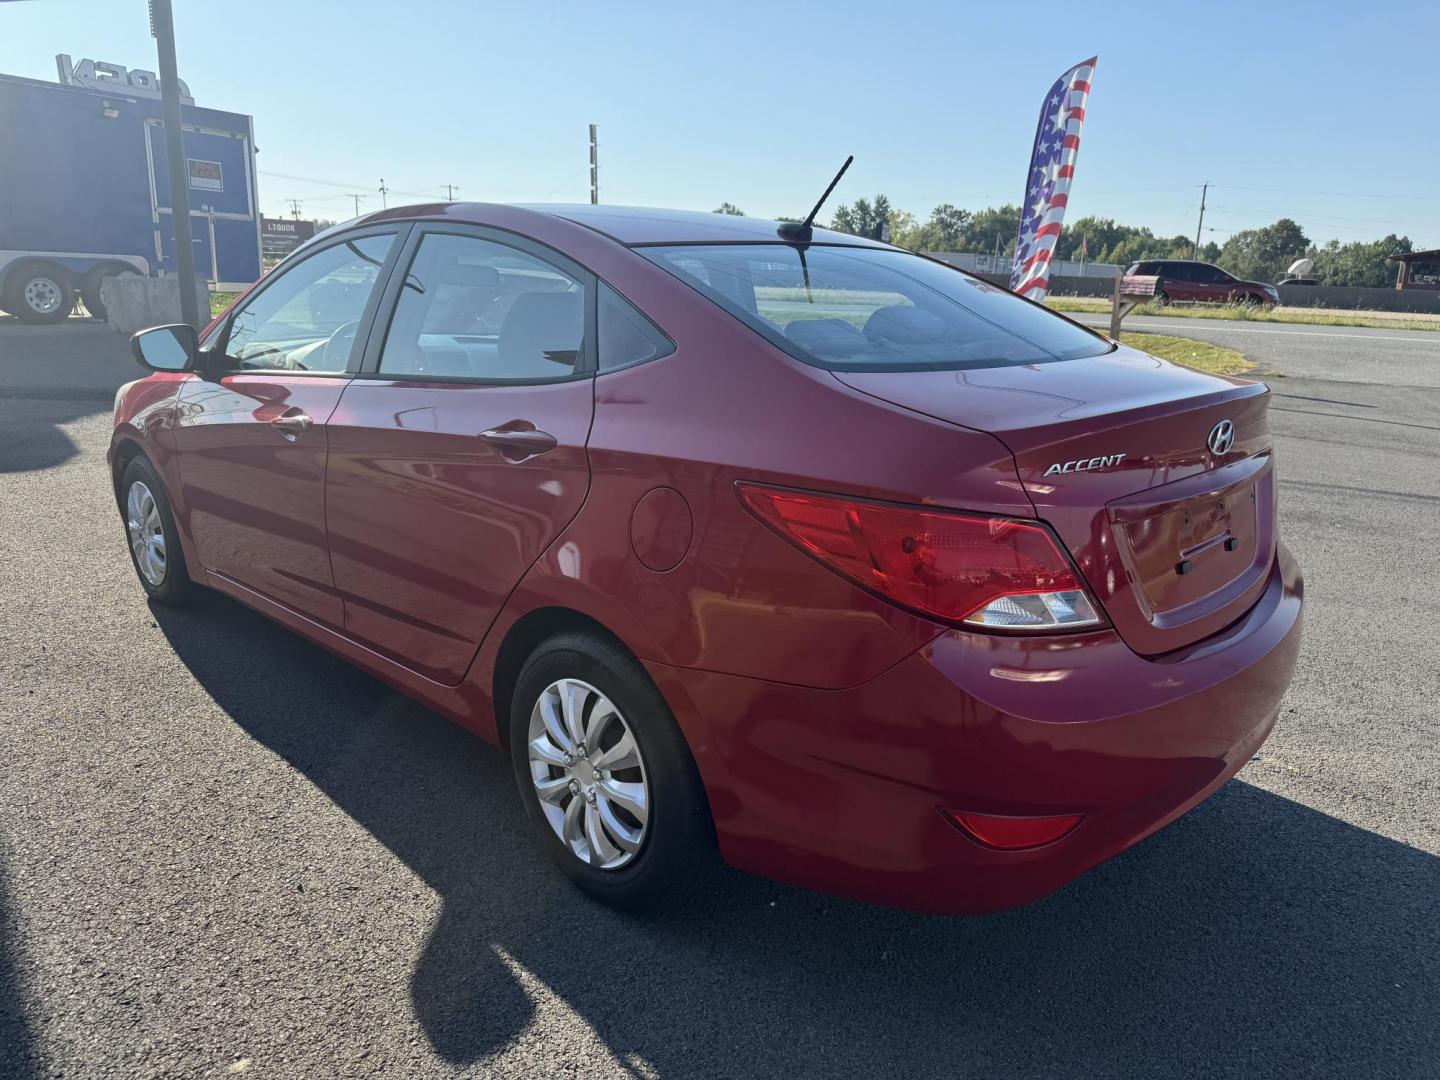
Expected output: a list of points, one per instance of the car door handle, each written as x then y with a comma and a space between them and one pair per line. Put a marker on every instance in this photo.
518, 440
291, 423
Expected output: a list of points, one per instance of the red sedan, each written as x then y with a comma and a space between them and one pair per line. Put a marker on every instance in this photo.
799, 550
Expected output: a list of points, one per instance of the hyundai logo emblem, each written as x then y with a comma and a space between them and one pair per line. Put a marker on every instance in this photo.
1222, 437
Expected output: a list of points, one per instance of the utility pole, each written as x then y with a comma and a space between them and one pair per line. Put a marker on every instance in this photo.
450, 190
384, 191
162, 27
294, 208
1204, 190
357, 199
594, 169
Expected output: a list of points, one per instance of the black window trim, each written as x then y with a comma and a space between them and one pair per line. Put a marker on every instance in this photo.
219, 339
369, 367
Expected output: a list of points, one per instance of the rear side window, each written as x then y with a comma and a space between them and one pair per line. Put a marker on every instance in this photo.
626, 337
472, 308
873, 309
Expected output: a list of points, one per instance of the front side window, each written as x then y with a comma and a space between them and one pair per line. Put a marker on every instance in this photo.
305, 320
873, 309
474, 308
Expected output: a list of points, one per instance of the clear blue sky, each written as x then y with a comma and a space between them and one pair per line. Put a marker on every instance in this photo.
1326, 111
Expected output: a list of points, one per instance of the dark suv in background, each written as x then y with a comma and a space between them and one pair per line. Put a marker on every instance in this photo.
1196, 282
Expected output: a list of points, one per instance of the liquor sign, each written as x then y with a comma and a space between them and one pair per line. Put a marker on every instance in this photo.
280, 236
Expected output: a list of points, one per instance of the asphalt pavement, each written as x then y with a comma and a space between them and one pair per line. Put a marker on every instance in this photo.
224, 852
1326, 353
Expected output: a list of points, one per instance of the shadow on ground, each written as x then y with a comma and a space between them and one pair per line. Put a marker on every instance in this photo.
32, 435
1254, 937
17, 1045
50, 376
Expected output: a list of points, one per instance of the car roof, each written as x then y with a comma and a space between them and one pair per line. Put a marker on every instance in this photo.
626, 224
655, 225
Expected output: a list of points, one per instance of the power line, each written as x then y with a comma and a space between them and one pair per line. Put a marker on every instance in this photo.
342, 184
1327, 220
1328, 194
358, 200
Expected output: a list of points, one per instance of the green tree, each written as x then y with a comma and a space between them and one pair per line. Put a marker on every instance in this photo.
1359, 264
906, 231
729, 208
1263, 254
862, 217
985, 226
1107, 241
944, 231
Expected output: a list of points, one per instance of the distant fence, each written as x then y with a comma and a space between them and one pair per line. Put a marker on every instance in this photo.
986, 265
1065, 286
1318, 296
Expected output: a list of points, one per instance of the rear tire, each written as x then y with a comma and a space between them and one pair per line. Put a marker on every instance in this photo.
39, 293
635, 861
153, 540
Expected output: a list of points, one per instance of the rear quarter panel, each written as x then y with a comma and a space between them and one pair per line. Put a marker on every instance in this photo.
727, 407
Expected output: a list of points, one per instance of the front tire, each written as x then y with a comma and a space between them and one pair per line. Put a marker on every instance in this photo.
606, 776
153, 539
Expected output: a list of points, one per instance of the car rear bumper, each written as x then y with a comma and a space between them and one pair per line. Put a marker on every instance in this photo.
840, 790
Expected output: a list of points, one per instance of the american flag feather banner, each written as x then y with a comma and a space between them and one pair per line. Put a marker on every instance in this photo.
1047, 188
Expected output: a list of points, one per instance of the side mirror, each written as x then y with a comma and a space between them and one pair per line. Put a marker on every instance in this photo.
166, 348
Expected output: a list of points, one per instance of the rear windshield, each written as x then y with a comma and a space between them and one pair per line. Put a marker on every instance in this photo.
873, 309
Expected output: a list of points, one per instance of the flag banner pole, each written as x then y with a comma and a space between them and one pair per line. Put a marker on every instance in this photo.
1047, 184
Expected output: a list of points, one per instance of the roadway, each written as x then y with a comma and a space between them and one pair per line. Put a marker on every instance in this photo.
223, 851
1331, 353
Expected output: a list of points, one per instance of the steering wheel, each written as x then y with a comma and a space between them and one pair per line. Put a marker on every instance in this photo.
332, 356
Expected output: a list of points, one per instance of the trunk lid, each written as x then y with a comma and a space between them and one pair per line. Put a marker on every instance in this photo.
1175, 539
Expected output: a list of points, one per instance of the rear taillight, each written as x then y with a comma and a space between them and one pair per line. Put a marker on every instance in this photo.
961, 568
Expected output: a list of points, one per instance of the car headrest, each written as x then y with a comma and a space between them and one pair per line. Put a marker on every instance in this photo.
826, 337
542, 326
904, 324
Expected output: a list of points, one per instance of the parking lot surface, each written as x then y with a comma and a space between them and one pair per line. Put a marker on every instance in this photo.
224, 851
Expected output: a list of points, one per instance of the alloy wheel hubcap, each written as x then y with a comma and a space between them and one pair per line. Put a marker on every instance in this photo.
42, 295
147, 534
588, 773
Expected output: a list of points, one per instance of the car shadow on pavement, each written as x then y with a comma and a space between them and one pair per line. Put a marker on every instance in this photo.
1256, 936
18, 1060
31, 426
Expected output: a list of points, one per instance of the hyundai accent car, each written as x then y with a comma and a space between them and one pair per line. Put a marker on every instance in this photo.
749, 543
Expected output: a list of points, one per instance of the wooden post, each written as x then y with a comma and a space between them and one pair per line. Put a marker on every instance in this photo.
1115, 313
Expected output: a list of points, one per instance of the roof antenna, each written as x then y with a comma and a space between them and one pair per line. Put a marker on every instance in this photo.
799, 232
